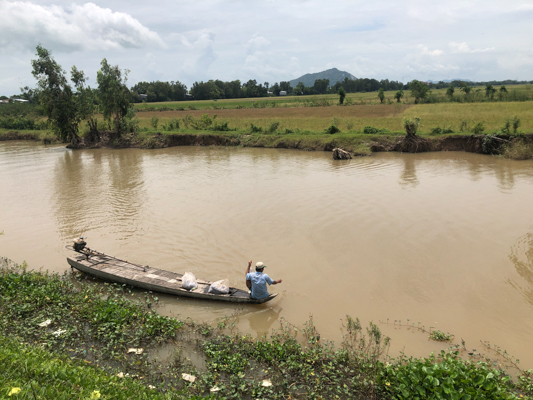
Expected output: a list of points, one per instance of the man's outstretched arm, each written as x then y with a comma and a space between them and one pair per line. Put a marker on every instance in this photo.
248, 283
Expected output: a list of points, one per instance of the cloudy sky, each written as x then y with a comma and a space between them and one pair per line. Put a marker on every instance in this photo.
270, 40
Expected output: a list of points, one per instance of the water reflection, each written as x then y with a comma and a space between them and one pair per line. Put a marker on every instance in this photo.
408, 176
93, 189
262, 321
522, 258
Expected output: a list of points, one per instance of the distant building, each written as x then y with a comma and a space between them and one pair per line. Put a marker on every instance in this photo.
189, 97
143, 97
21, 100
283, 93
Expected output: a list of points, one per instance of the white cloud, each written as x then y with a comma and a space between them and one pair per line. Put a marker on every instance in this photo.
78, 28
424, 50
465, 48
256, 43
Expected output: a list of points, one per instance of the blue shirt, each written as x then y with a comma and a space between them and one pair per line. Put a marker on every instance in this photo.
259, 281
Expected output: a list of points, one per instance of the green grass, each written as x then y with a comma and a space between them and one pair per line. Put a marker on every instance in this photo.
515, 93
40, 374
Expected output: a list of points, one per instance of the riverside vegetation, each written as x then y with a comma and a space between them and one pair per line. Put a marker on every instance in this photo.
360, 129
68, 337
358, 122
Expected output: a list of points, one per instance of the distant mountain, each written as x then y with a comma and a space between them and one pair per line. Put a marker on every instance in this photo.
333, 74
450, 80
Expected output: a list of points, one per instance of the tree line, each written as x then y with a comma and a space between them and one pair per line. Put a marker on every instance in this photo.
67, 103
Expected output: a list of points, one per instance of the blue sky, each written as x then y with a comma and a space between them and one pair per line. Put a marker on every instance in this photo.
270, 40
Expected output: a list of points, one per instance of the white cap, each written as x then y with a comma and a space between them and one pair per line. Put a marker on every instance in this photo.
260, 265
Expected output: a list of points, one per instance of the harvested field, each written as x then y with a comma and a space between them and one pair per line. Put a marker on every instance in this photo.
366, 111
355, 118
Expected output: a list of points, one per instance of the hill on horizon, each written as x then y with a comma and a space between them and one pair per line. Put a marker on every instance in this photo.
333, 74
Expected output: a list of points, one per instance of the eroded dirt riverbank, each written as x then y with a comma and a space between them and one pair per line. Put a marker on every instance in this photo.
358, 145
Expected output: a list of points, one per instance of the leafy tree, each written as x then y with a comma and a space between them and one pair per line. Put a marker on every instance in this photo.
286, 86
27, 93
489, 91
205, 90
86, 100
321, 86
450, 91
299, 89
114, 95
56, 96
232, 90
419, 90
398, 96
342, 95
503, 92
252, 89
381, 95
465, 88
275, 89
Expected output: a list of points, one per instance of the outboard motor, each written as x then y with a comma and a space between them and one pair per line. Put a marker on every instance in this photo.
79, 244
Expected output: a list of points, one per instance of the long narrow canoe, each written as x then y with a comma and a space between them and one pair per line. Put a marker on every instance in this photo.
112, 269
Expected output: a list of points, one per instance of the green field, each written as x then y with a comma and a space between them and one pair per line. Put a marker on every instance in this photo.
460, 117
515, 93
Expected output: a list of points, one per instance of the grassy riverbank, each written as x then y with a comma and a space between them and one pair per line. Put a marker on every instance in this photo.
316, 123
65, 336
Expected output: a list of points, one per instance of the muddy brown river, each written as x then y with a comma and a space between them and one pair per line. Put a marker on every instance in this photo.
441, 239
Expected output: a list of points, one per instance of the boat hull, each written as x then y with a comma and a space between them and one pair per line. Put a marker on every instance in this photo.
113, 269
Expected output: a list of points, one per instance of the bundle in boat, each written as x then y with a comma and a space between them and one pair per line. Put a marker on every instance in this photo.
188, 281
219, 287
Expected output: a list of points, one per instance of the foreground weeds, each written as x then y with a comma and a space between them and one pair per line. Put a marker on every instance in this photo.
29, 372
66, 337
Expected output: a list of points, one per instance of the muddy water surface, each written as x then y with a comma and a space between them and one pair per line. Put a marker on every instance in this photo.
444, 239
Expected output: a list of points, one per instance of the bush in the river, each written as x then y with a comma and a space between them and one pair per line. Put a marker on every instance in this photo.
440, 336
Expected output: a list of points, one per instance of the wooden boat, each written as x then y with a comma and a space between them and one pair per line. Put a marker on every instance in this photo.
113, 269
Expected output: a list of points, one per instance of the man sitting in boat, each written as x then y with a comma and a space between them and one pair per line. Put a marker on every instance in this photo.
257, 281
